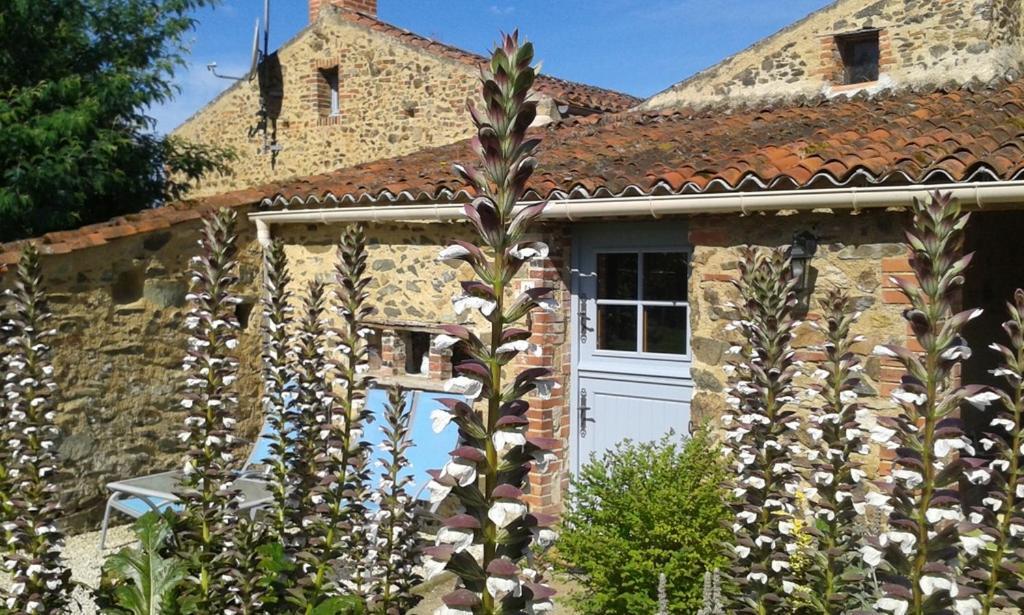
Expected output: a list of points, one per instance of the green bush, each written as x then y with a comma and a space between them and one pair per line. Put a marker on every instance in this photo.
641, 510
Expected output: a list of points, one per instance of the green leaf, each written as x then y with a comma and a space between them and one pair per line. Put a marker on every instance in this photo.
341, 605
145, 581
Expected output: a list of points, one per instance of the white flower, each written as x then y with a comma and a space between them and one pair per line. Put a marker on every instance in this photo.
967, 606
912, 478
759, 577
505, 440
933, 583
451, 255
945, 446
459, 539
909, 398
934, 515
978, 476
526, 251
462, 303
905, 540
983, 399
896, 606
466, 386
544, 388
871, 556
788, 586
447, 610
741, 551
882, 351
993, 503
779, 565
755, 481
439, 419
438, 492
1006, 424
881, 434
746, 516
504, 512
973, 544
432, 568
464, 472
444, 342
500, 587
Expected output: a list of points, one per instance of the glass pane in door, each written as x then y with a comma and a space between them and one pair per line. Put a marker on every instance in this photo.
665, 329
617, 276
616, 327
665, 276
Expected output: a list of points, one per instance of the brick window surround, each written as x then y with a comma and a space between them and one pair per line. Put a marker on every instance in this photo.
833, 69
326, 94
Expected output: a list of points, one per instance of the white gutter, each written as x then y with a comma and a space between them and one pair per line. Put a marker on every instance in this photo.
974, 195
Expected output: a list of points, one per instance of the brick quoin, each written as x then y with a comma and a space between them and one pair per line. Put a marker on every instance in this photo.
549, 418
368, 7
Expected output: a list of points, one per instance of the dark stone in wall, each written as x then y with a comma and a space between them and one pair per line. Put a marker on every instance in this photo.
706, 381
709, 351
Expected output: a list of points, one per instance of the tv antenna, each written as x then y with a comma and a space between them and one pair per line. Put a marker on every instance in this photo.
265, 69
257, 51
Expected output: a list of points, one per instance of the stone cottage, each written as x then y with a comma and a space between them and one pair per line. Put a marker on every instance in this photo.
819, 137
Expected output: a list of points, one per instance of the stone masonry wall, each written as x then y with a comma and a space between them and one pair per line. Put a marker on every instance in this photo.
394, 99
118, 309
921, 42
857, 252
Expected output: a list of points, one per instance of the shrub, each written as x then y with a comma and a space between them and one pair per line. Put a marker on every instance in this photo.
640, 510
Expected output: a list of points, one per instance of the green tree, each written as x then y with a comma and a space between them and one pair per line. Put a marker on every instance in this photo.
76, 80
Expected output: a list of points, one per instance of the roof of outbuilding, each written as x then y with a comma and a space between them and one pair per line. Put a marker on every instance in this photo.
956, 135
962, 134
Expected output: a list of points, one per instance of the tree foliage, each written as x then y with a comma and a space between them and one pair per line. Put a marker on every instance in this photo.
77, 78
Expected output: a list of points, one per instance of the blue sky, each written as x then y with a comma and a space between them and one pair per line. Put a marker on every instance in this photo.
635, 46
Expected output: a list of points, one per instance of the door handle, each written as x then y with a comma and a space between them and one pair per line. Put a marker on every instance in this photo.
581, 317
584, 413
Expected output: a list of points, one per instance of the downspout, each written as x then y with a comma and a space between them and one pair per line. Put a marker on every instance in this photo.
974, 196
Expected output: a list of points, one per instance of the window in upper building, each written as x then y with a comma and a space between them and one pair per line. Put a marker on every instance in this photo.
860, 54
329, 99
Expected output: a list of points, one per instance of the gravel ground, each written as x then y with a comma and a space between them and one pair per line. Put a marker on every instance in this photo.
86, 560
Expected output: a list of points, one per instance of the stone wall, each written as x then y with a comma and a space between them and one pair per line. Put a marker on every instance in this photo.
395, 99
921, 42
118, 309
857, 252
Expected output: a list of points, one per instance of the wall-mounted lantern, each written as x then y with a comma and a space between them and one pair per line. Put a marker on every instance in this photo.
804, 246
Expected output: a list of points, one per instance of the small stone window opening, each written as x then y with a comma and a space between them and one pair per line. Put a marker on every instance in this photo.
243, 311
329, 95
374, 349
417, 353
860, 55
128, 287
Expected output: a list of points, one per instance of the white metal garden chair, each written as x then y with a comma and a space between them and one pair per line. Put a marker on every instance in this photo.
137, 496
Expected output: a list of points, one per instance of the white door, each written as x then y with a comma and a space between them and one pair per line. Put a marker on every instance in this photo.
631, 353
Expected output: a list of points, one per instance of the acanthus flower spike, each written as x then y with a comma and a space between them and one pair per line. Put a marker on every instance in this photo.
30, 505
489, 470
